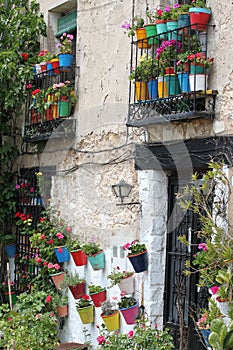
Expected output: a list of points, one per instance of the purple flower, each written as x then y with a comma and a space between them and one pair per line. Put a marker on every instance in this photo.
176, 6
214, 290
203, 246
126, 25
167, 9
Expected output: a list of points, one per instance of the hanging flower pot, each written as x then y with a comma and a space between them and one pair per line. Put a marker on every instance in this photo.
62, 254
184, 23
86, 314
65, 61
151, 33
78, 291
199, 17
55, 65
126, 285
64, 108
172, 30
130, 314
79, 257
184, 82
112, 322
198, 82
139, 261
172, 83
62, 311
10, 250
58, 278
97, 260
98, 298
152, 86
142, 41
161, 27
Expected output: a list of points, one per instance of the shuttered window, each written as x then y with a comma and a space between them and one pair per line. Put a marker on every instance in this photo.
67, 23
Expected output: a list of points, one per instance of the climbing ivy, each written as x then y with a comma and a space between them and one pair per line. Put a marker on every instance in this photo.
21, 25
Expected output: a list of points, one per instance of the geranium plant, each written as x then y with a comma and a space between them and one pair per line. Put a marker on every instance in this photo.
95, 289
135, 247
200, 58
85, 301
199, 3
117, 275
65, 44
91, 248
126, 302
138, 22
167, 52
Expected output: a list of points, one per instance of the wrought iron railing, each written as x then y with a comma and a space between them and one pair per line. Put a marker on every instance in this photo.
165, 84
47, 108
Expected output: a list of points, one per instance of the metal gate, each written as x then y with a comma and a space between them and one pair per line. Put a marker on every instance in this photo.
182, 299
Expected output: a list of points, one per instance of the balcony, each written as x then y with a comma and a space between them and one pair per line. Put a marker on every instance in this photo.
172, 86
48, 112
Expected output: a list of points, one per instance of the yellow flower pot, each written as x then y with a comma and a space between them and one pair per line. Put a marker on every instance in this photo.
112, 322
141, 90
86, 314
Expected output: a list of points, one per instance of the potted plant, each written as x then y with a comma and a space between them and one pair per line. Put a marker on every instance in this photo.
97, 294
128, 307
60, 304
55, 272
8, 240
137, 255
198, 64
110, 315
62, 92
124, 279
137, 27
75, 283
85, 309
184, 19
199, 15
172, 14
139, 75
77, 253
65, 56
95, 255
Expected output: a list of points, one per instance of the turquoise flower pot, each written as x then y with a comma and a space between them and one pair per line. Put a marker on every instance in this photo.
65, 60
97, 261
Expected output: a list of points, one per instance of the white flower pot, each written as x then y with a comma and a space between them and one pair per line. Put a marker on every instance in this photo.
198, 82
126, 285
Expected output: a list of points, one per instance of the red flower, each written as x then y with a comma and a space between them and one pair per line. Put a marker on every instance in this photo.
42, 236
86, 297
50, 241
100, 339
48, 299
37, 91
130, 334
38, 259
44, 263
42, 219
25, 56
17, 215
59, 250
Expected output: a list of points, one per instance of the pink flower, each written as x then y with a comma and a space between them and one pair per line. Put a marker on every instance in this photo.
17, 187
59, 235
176, 6
38, 316
203, 246
130, 334
214, 290
122, 294
69, 229
50, 266
42, 236
126, 25
59, 250
57, 266
28, 86
101, 339
126, 246
167, 9
38, 259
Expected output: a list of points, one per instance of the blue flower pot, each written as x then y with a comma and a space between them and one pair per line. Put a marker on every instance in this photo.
205, 334
139, 261
152, 86
184, 82
10, 250
65, 60
97, 261
62, 254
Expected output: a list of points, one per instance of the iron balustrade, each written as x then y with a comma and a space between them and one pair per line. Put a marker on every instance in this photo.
41, 123
171, 100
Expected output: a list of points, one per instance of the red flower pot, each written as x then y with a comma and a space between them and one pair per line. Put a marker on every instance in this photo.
98, 298
78, 291
79, 257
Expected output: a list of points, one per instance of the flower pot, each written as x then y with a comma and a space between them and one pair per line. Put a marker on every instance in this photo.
205, 334
161, 27
126, 285
162, 88
184, 82
58, 279
62, 254
199, 17
172, 83
86, 314
141, 90
139, 261
78, 291
62, 311
13, 296
151, 31
130, 314
65, 61
79, 257
55, 65
64, 108
98, 298
196, 68
10, 250
43, 66
142, 41
172, 31
50, 68
152, 86
49, 114
112, 322
184, 21
169, 70
97, 260
198, 82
